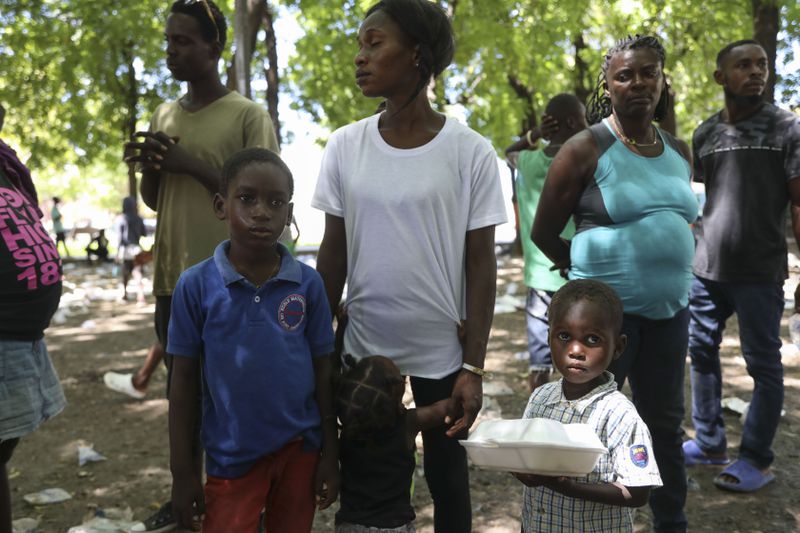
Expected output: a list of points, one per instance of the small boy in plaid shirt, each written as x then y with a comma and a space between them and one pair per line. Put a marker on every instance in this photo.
585, 336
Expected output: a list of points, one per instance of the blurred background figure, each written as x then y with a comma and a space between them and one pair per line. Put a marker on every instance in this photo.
130, 229
58, 225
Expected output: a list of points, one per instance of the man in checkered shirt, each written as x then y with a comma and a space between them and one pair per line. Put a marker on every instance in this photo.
585, 336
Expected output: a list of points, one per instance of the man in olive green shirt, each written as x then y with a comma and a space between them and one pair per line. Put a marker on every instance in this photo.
181, 157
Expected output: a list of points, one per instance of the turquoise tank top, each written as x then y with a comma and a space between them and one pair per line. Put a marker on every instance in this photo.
632, 226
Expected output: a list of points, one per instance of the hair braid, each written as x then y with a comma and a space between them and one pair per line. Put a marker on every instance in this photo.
366, 402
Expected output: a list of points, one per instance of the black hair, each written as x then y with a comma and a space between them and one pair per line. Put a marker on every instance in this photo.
426, 25
367, 397
563, 106
596, 292
210, 30
238, 161
56, 200
729, 47
599, 106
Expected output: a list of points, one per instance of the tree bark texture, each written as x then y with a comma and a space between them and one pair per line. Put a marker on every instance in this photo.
766, 25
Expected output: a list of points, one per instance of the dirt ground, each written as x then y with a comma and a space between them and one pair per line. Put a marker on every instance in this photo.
102, 333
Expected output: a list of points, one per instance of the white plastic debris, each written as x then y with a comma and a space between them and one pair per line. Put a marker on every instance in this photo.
86, 454
88, 324
103, 525
508, 304
24, 525
496, 388
47, 496
737, 405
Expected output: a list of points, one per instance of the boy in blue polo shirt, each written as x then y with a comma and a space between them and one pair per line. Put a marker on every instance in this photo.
258, 323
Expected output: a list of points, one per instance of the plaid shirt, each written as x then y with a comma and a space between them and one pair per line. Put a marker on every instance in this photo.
629, 460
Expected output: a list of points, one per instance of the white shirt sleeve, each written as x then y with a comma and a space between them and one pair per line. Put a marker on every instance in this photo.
328, 196
487, 207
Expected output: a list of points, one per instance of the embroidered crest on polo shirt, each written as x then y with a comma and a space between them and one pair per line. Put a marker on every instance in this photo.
292, 311
639, 455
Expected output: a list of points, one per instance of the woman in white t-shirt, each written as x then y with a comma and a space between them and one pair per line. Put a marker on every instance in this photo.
411, 200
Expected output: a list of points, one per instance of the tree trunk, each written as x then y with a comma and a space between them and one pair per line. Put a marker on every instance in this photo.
131, 101
526, 94
766, 24
255, 13
583, 82
271, 72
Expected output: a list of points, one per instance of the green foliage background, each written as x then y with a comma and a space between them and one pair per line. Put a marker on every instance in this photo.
64, 69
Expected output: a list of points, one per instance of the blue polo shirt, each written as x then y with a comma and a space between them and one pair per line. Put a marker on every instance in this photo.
256, 347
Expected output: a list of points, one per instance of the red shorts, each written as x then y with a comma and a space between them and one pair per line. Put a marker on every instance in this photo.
282, 484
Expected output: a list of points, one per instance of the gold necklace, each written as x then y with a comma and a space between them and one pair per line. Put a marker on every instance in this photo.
627, 140
273, 273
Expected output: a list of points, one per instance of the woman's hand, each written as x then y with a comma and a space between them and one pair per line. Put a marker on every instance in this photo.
465, 402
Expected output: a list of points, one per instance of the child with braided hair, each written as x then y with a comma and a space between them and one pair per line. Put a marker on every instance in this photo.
377, 446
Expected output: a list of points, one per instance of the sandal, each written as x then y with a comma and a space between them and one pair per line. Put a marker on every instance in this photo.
694, 455
750, 478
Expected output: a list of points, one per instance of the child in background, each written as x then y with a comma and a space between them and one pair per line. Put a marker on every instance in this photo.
377, 447
130, 229
98, 247
585, 336
58, 225
258, 323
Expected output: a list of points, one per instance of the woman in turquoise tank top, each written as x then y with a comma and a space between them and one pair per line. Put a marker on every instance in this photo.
626, 183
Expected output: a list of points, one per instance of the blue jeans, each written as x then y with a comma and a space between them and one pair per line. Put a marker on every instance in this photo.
536, 305
653, 362
759, 307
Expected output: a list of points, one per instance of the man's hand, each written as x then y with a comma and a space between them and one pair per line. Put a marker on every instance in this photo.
158, 151
465, 402
188, 503
548, 127
326, 481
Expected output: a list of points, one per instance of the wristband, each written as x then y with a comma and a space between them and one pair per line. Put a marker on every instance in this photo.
528, 138
474, 369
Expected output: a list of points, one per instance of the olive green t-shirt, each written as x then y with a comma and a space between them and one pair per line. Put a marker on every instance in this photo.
187, 230
532, 167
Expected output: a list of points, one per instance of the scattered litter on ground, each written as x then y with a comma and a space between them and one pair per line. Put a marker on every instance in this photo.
790, 350
47, 496
103, 525
692, 484
508, 303
24, 525
739, 406
111, 520
496, 388
490, 411
521, 356
88, 324
86, 454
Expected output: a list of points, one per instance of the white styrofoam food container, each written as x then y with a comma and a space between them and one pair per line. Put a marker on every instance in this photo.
534, 446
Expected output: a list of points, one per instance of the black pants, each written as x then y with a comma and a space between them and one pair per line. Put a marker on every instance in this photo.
445, 462
653, 362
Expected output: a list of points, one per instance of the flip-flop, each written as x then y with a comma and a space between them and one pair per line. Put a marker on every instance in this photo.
693, 455
750, 478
